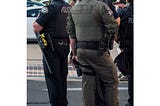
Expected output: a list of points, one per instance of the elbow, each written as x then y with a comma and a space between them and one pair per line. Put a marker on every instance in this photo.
37, 27
118, 21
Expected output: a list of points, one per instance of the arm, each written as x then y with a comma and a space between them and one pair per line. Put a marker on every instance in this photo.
118, 20
110, 24
71, 27
72, 34
73, 48
37, 27
44, 16
112, 7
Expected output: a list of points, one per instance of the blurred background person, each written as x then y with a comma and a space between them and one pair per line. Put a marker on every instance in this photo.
119, 5
126, 38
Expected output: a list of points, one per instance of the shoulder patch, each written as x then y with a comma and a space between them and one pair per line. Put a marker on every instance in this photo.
108, 10
44, 10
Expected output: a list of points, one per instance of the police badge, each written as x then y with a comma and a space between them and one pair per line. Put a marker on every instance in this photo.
44, 10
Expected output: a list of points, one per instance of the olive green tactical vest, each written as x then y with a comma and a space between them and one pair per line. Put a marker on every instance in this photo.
87, 20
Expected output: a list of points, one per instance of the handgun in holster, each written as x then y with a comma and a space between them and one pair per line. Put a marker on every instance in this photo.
105, 44
102, 47
78, 67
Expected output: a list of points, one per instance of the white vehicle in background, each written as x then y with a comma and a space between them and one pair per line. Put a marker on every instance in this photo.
32, 13
45, 2
31, 3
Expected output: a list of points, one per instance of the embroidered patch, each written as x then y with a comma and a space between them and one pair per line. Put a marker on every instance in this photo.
109, 11
44, 10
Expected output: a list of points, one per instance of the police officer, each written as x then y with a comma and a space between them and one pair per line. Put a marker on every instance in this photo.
52, 23
126, 43
91, 21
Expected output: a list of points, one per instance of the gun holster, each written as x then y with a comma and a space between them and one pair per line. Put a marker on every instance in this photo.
42, 40
78, 67
79, 70
111, 42
103, 46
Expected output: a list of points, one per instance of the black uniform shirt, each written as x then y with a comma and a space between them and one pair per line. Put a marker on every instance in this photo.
46, 18
53, 18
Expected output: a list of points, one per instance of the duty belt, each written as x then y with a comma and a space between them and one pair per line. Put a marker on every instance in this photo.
93, 45
59, 41
62, 41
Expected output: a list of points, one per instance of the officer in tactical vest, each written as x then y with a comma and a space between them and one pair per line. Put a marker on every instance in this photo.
126, 43
51, 23
90, 26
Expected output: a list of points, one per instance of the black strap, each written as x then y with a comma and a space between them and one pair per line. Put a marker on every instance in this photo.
93, 45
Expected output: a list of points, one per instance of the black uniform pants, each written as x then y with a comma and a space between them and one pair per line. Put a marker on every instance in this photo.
57, 80
130, 76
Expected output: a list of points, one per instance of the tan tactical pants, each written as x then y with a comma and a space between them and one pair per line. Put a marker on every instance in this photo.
107, 73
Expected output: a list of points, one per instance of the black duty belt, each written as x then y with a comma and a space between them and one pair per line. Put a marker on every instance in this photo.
56, 38
61, 39
93, 45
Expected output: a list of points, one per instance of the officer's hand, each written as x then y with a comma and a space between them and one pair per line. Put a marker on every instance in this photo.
75, 57
74, 60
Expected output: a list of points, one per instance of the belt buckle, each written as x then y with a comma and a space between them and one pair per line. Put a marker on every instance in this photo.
60, 43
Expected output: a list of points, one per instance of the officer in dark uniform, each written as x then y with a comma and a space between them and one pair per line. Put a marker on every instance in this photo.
52, 23
126, 43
